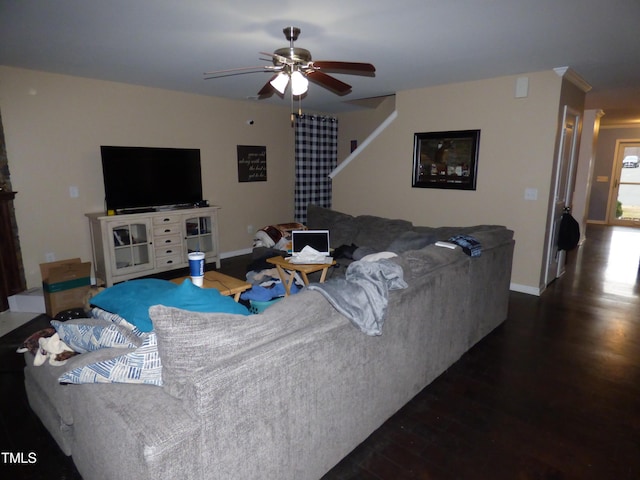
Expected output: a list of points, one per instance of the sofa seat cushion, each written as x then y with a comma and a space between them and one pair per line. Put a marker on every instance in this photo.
45, 377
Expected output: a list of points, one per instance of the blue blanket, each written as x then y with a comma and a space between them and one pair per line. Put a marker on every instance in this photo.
362, 295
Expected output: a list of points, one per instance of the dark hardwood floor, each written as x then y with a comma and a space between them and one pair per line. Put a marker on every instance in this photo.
553, 393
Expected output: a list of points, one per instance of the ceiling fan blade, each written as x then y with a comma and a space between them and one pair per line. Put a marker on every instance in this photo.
351, 68
238, 71
267, 90
330, 83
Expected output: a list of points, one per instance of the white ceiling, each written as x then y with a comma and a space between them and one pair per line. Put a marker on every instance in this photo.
413, 43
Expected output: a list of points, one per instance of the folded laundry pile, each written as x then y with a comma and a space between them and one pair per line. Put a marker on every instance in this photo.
262, 294
470, 245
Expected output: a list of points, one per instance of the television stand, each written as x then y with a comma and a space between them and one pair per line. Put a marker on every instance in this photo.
128, 211
127, 246
160, 208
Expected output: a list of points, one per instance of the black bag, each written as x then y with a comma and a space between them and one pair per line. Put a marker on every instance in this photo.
569, 232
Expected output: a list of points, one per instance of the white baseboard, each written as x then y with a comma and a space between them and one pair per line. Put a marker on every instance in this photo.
236, 253
529, 290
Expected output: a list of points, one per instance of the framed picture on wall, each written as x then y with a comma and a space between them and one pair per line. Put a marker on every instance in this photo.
446, 159
252, 163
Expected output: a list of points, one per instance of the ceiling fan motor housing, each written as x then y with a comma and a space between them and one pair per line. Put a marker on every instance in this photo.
295, 54
293, 61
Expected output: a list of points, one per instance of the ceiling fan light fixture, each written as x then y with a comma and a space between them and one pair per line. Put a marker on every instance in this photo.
280, 82
299, 83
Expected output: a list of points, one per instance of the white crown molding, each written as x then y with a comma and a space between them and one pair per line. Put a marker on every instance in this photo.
573, 77
620, 125
599, 112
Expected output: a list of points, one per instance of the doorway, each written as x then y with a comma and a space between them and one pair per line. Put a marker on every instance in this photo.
624, 196
563, 185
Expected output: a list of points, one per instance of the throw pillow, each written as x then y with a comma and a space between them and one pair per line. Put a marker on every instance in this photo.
115, 318
109, 365
189, 297
131, 300
86, 335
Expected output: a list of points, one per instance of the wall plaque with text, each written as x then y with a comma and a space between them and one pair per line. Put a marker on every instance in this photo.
252, 163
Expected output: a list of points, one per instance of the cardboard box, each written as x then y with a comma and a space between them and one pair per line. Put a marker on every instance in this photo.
31, 301
65, 284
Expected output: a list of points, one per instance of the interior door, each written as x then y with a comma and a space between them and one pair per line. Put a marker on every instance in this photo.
563, 190
624, 197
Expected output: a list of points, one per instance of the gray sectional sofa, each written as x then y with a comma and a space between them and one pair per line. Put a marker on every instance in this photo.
287, 393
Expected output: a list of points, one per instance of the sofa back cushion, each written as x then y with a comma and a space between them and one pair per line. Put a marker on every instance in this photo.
191, 343
369, 231
378, 232
342, 227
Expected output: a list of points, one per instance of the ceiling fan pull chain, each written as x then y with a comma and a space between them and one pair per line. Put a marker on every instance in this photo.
293, 115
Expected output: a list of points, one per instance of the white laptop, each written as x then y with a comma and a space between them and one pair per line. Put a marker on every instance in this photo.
316, 239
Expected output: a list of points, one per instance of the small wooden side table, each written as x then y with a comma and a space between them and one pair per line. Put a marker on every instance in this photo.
287, 270
225, 284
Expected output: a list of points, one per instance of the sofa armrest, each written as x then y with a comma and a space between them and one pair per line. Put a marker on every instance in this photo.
133, 431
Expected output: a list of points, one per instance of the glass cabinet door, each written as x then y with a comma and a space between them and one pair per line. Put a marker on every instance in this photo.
131, 247
199, 236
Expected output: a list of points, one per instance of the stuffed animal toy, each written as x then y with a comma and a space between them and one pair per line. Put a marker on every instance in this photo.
92, 292
54, 350
31, 343
46, 344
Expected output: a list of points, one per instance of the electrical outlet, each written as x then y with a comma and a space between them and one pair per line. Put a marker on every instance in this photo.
74, 192
50, 257
250, 229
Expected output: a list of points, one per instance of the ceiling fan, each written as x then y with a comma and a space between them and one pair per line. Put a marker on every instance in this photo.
294, 65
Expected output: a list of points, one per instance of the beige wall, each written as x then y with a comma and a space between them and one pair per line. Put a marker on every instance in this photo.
55, 124
516, 152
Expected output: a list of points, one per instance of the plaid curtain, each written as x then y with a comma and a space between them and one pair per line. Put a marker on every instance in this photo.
316, 156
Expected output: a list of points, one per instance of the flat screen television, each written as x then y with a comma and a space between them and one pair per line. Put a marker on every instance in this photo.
146, 178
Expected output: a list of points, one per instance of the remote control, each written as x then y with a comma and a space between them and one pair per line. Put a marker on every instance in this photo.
452, 246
